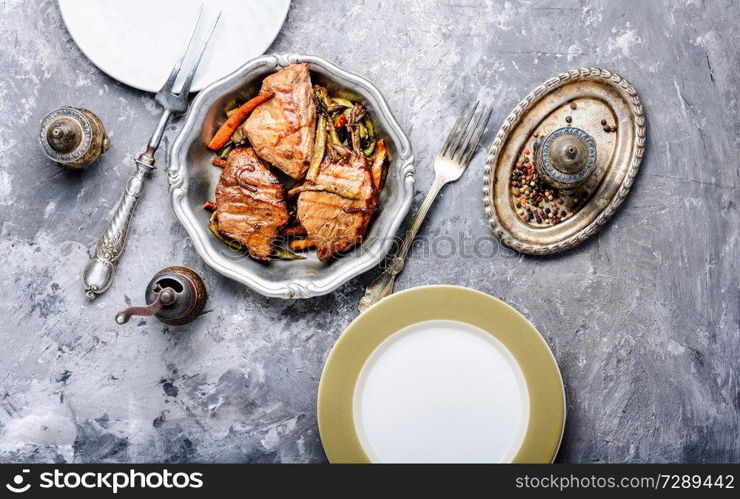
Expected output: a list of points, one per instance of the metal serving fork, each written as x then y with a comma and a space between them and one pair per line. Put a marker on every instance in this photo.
99, 271
449, 165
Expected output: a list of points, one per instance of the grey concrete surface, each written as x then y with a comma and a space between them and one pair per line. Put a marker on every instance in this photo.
643, 318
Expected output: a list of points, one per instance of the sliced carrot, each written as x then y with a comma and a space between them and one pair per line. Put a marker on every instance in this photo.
221, 163
377, 168
223, 135
209, 205
302, 244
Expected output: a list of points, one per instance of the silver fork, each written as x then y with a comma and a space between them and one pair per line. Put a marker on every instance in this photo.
98, 273
449, 165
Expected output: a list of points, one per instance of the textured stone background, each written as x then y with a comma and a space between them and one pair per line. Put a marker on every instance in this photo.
643, 318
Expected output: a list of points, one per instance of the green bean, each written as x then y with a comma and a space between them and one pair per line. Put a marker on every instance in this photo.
369, 126
333, 135
342, 102
370, 133
324, 102
322, 94
318, 149
286, 254
225, 150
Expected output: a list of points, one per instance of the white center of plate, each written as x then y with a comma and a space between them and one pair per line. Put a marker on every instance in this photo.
441, 391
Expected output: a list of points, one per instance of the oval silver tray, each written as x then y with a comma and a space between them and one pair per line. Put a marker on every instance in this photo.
596, 94
193, 181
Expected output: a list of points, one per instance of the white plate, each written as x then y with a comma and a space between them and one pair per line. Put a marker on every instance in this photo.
441, 374
137, 41
410, 395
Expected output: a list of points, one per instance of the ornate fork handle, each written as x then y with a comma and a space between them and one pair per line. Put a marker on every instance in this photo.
98, 273
382, 285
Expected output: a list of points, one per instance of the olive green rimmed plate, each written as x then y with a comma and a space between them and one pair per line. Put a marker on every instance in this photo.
365, 370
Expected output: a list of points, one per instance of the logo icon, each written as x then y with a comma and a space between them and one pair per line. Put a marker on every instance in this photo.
18, 488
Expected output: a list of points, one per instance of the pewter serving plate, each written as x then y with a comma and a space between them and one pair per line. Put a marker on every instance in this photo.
193, 181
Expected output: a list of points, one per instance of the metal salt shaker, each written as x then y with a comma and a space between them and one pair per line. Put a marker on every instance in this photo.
73, 137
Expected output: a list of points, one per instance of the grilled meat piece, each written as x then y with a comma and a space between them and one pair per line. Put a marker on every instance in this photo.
333, 222
282, 129
250, 204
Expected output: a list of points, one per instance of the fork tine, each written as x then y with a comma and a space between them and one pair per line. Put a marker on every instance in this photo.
470, 129
488, 110
169, 84
454, 131
196, 62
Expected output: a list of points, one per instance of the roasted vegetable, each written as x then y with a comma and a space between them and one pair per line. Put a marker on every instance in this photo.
340, 121
286, 254
219, 162
340, 150
302, 244
355, 126
377, 167
342, 102
209, 206
319, 149
323, 96
225, 150
323, 104
369, 136
323, 188
333, 135
239, 137
223, 135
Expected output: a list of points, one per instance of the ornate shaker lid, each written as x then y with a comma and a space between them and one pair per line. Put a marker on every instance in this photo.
563, 161
73, 137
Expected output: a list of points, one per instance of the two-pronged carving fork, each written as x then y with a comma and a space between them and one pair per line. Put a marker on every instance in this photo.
99, 271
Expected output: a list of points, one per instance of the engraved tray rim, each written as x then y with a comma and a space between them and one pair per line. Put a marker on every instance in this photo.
628, 93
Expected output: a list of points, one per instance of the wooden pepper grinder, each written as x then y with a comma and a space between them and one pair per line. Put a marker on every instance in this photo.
176, 295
